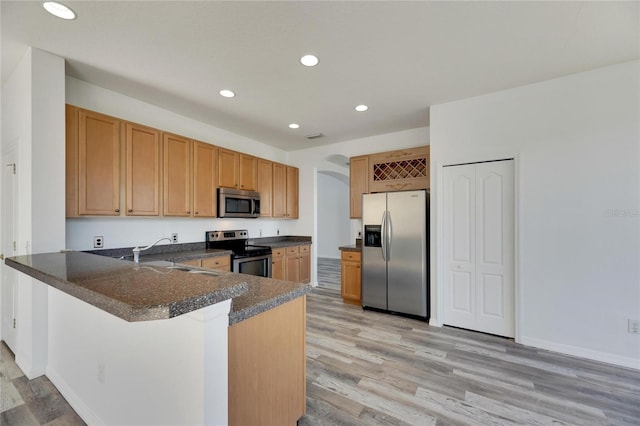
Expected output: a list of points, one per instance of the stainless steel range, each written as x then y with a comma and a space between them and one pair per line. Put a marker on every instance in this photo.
246, 258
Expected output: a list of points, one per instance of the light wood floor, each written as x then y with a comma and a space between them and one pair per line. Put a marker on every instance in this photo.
368, 368
371, 368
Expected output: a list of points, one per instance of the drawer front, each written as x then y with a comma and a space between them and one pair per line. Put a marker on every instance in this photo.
305, 249
277, 252
216, 262
291, 250
354, 256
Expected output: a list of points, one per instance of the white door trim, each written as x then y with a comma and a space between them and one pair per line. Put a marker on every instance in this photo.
439, 261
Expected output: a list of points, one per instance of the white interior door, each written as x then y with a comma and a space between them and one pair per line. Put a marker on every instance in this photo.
7, 247
479, 246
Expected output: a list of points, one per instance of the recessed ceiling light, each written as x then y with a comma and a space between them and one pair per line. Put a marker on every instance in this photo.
227, 93
309, 60
361, 108
294, 126
59, 10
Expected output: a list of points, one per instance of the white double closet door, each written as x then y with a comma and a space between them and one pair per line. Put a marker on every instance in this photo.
479, 247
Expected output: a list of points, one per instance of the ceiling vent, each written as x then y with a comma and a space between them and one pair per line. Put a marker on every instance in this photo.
314, 136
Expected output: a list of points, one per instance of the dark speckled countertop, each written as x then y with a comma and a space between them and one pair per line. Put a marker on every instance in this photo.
351, 247
143, 292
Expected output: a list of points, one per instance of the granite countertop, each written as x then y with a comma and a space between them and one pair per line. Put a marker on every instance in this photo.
171, 252
284, 241
351, 247
148, 291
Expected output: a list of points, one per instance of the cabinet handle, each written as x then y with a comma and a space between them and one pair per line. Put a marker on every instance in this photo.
196, 212
188, 212
117, 210
130, 210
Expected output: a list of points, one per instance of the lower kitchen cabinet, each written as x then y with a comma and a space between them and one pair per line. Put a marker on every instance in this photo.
292, 263
222, 263
351, 277
297, 263
267, 383
277, 264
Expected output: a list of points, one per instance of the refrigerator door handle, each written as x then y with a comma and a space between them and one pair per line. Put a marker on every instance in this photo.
383, 236
389, 234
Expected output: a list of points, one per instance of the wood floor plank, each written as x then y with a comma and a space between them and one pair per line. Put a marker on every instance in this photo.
451, 376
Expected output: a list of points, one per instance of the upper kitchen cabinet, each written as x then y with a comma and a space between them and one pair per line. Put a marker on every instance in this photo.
248, 172
237, 170
265, 186
279, 190
177, 175
143, 170
205, 159
401, 170
93, 163
285, 191
292, 192
358, 183
228, 168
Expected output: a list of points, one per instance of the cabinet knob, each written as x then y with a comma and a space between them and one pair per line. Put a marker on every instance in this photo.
196, 212
130, 210
117, 210
188, 212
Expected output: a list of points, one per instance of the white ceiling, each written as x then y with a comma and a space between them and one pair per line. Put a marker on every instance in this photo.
397, 57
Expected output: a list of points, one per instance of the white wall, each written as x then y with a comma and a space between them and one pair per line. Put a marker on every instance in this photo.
124, 232
33, 102
333, 215
576, 144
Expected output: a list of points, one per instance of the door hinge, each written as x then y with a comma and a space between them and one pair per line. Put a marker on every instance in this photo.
14, 323
14, 246
13, 165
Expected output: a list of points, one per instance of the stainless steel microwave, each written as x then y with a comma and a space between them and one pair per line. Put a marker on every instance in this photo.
238, 203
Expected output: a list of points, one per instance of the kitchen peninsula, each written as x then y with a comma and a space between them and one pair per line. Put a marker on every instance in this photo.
151, 343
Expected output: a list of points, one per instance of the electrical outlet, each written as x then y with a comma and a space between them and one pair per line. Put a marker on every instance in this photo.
633, 326
98, 241
174, 237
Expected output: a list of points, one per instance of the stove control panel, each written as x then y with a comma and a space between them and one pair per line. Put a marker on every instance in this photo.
240, 234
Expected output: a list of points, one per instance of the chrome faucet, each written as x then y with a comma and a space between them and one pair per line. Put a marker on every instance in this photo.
137, 250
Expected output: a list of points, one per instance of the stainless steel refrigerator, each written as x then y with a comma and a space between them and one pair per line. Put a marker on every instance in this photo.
395, 252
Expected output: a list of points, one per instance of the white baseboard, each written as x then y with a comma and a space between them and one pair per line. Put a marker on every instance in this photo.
582, 352
83, 410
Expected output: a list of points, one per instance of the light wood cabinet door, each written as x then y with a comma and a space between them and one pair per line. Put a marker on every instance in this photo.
305, 264
142, 159
71, 161
351, 277
277, 264
267, 380
222, 263
98, 164
292, 192
265, 186
279, 205
205, 161
228, 168
248, 175
292, 264
358, 182
177, 175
